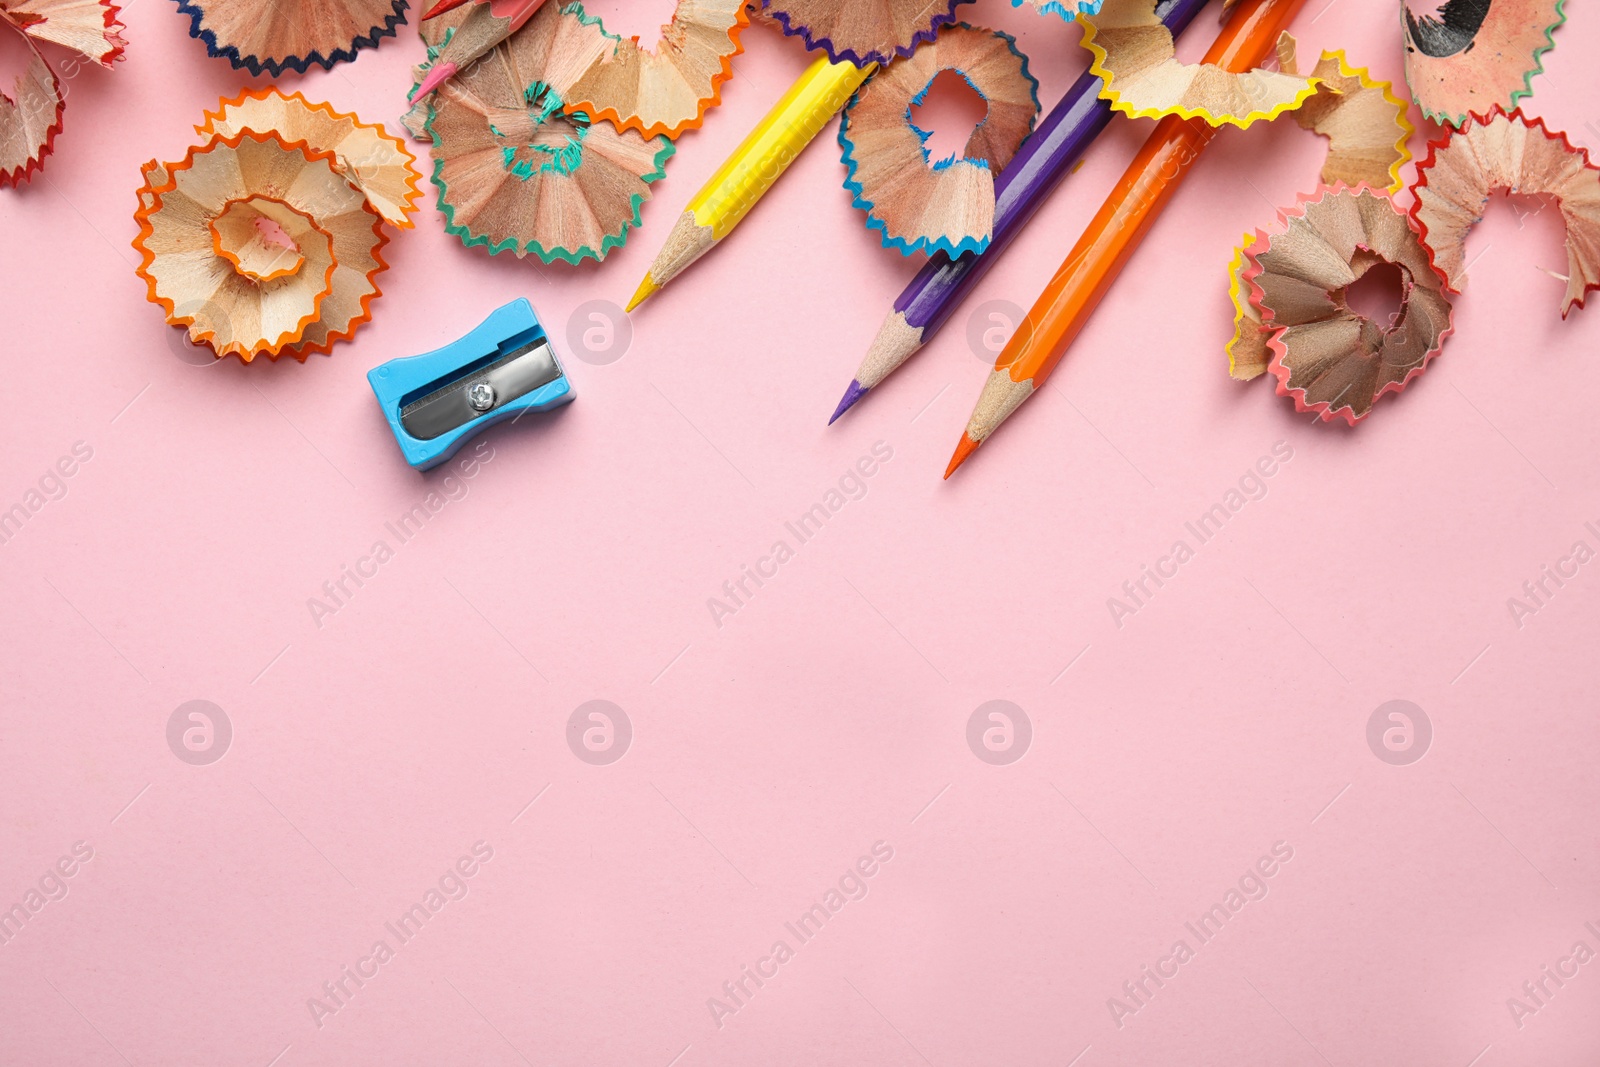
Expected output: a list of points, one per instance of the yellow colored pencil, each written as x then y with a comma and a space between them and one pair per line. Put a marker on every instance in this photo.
764, 155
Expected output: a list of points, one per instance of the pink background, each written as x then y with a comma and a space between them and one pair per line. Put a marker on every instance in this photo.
828, 713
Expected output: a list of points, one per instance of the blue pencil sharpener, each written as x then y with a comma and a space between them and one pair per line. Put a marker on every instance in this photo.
500, 370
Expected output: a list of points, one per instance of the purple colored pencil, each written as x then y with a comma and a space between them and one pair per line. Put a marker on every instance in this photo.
1032, 175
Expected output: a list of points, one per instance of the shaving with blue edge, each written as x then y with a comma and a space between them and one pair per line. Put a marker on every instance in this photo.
274, 38
1067, 11
916, 203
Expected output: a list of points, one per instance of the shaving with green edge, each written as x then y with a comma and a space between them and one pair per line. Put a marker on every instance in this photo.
514, 172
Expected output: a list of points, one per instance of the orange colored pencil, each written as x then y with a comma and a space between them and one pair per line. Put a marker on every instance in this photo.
1044, 336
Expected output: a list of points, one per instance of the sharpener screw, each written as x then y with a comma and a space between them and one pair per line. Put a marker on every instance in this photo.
481, 396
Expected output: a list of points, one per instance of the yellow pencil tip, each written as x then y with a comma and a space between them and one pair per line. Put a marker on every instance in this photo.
966, 448
646, 290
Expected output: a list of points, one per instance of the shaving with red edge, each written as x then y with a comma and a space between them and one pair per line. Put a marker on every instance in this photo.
1502, 151
30, 118
31, 108
88, 27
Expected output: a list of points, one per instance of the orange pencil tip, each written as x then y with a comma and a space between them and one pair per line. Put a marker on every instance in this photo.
966, 448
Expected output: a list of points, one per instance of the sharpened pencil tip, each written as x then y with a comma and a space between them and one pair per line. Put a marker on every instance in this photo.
440, 8
437, 75
646, 290
851, 395
963, 450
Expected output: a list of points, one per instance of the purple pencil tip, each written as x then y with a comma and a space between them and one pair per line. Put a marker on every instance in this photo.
851, 395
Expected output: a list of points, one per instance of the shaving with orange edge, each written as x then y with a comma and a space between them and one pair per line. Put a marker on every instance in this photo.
237, 240
667, 89
266, 238
373, 160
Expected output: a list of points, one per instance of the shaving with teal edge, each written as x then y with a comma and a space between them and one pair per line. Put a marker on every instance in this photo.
515, 172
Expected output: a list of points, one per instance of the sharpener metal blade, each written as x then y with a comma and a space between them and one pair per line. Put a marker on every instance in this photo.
511, 376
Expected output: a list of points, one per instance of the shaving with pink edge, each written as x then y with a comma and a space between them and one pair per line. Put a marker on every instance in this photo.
1331, 360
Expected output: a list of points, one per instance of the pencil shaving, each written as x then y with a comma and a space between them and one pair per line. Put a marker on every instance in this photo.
1364, 121
863, 31
358, 260
30, 118
415, 120
371, 159
241, 243
88, 27
33, 105
758, 15
1471, 56
1248, 354
665, 90
1066, 9
434, 32
1367, 131
1134, 55
916, 203
273, 38
515, 173
1331, 360
154, 174
1516, 154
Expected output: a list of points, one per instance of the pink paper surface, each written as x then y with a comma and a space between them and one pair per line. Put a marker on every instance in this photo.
375, 747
